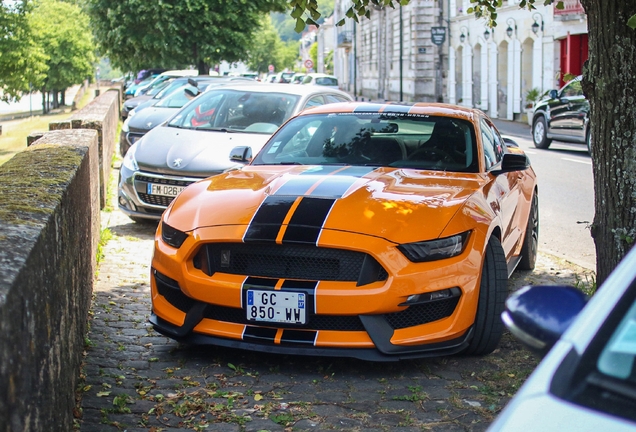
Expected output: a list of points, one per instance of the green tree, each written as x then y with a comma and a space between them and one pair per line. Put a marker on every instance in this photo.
22, 60
138, 34
609, 82
63, 32
269, 49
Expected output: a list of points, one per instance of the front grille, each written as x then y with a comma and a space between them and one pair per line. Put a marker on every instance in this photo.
163, 180
315, 322
159, 200
169, 289
422, 313
305, 262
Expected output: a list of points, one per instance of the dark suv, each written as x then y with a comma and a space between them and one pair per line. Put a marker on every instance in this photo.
563, 116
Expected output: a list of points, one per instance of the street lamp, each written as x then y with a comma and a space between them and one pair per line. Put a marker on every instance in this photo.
509, 30
464, 32
535, 26
486, 34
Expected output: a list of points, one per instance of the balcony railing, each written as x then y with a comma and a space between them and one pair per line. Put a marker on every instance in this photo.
571, 7
345, 38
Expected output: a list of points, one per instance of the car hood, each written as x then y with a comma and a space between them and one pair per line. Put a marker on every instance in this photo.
382, 202
148, 118
132, 103
191, 153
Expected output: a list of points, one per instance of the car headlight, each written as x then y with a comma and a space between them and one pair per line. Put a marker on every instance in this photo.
172, 236
433, 250
129, 160
124, 127
132, 112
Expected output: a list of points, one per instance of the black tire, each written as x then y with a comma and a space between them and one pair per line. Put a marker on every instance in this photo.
531, 241
540, 133
493, 290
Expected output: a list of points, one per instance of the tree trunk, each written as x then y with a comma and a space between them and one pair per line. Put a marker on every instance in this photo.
204, 69
63, 97
610, 85
43, 93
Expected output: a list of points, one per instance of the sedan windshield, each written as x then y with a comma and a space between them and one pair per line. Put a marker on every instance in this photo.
237, 110
374, 139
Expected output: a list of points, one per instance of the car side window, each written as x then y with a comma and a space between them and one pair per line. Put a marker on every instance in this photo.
315, 101
335, 98
574, 88
491, 153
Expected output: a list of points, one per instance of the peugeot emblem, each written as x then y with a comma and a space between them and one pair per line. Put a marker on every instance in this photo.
177, 162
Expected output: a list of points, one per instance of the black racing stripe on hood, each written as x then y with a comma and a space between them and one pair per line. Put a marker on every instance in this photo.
335, 185
259, 334
298, 337
307, 220
268, 218
257, 282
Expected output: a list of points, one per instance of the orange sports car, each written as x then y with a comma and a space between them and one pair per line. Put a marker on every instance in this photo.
374, 231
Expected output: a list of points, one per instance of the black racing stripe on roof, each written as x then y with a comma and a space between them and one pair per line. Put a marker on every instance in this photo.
269, 218
373, 107
307, 220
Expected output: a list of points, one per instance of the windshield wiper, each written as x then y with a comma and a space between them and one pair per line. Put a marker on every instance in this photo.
287, 163
220, 130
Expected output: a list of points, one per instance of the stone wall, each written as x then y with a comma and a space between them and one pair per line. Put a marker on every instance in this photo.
102, 115
49, 231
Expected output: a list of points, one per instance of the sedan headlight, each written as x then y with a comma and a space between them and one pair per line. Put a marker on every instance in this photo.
124, 127
434, 250
172, 236
129, 161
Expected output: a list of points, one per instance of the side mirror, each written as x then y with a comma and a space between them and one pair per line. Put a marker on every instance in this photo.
512, 162
241, 154
510, 142
539, 315
193, 83
553, 94
190, 93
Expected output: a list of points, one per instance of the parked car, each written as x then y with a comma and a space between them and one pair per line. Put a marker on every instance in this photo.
374, 231
586, 381
321, 79
155, 92
283, 77
297, 78
141, 88
162, 107
563, 116
196, 141
131, 89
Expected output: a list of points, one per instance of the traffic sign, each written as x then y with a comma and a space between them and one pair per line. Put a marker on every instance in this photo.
271, 68
309, 64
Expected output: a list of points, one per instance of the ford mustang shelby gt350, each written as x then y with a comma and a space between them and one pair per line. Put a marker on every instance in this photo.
374, 231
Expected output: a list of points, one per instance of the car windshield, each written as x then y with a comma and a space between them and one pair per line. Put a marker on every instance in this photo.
619, 355
374, 139
234, 110
177, 98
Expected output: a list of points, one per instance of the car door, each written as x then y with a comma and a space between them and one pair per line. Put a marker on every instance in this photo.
504, 195
565, 111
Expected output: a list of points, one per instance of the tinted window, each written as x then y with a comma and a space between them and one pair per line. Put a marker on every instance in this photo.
493, 145
374, 139
327, 81
333, 98
315, 101
573, 88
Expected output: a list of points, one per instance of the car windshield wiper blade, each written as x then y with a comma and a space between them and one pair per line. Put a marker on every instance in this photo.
612, 385
287, 163
219, 129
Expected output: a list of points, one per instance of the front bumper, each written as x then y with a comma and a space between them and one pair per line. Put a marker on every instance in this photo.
367, 320
133, 196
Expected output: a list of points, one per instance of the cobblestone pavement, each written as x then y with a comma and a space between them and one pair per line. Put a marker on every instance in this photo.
134, 379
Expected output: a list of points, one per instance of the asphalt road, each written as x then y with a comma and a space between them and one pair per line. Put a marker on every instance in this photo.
566, 195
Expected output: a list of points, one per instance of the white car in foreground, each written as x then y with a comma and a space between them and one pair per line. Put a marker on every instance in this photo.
587, 381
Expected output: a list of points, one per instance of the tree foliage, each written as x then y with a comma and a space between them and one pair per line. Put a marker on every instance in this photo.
269, 49
22, 60
138, 34
62, 30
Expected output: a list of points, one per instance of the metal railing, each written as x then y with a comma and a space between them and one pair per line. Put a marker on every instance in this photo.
570, 7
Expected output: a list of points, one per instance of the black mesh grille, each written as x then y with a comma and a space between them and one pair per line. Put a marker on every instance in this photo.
289, 262
422, 313
169, 289
315, 322
156, 199
162, 180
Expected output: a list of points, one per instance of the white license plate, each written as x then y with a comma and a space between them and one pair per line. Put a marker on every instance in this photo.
164, 190
276, 306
